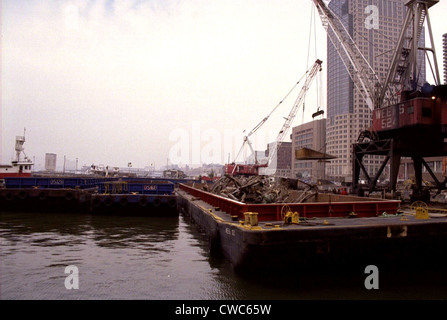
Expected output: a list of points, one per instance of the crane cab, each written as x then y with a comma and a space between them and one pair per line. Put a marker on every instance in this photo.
243, 169
426, 109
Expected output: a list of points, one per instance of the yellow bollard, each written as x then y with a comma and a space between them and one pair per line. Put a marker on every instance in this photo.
247, 218
422, 213
254, 218
296, 217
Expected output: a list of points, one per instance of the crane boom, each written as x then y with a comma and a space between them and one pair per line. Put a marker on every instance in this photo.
359, 69
250, 169
403, 72
312, 72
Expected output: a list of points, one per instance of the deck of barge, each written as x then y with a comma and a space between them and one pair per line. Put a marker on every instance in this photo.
320, 242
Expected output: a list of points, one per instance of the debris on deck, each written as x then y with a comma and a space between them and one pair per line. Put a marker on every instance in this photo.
260, 189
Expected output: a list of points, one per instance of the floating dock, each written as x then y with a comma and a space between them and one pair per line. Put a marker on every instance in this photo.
106, 195
340, 231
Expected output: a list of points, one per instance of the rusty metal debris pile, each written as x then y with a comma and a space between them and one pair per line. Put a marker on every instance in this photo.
259, 189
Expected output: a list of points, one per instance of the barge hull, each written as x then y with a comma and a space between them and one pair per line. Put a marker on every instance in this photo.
320, 244
45, 200
135, 204
94, 195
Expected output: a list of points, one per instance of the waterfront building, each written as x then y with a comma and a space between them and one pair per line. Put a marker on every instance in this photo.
50, 162
310, 135
282, 160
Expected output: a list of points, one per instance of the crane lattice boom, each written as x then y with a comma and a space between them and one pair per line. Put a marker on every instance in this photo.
286, 126
359, 69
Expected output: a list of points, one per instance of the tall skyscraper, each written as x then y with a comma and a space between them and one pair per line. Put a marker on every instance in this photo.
375, 26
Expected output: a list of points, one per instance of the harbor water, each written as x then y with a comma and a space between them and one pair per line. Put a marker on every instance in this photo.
164, 258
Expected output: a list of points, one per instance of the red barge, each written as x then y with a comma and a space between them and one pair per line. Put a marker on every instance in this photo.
333, 231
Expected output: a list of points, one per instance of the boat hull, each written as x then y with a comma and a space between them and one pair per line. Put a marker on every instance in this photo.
14, 175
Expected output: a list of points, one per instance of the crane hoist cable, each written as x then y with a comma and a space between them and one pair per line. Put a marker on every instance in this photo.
313, 38
276, 107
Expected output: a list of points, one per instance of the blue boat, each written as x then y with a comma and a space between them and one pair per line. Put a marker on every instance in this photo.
94, 195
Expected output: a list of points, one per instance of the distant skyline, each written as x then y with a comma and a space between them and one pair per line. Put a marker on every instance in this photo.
112, 82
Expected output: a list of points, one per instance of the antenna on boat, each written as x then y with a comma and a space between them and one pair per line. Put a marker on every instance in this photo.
20, 140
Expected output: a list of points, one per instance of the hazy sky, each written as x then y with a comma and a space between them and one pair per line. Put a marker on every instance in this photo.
112, 82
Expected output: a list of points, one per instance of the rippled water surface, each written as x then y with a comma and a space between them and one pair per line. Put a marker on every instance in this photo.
158, 258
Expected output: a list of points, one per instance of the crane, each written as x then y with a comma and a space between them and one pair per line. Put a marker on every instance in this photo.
404, 71
362, 74
402, 75
316, 67
253, 169
409, 119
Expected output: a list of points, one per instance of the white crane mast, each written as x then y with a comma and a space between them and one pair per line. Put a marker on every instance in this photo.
246, 139
311, 73
403, 73
359, 69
